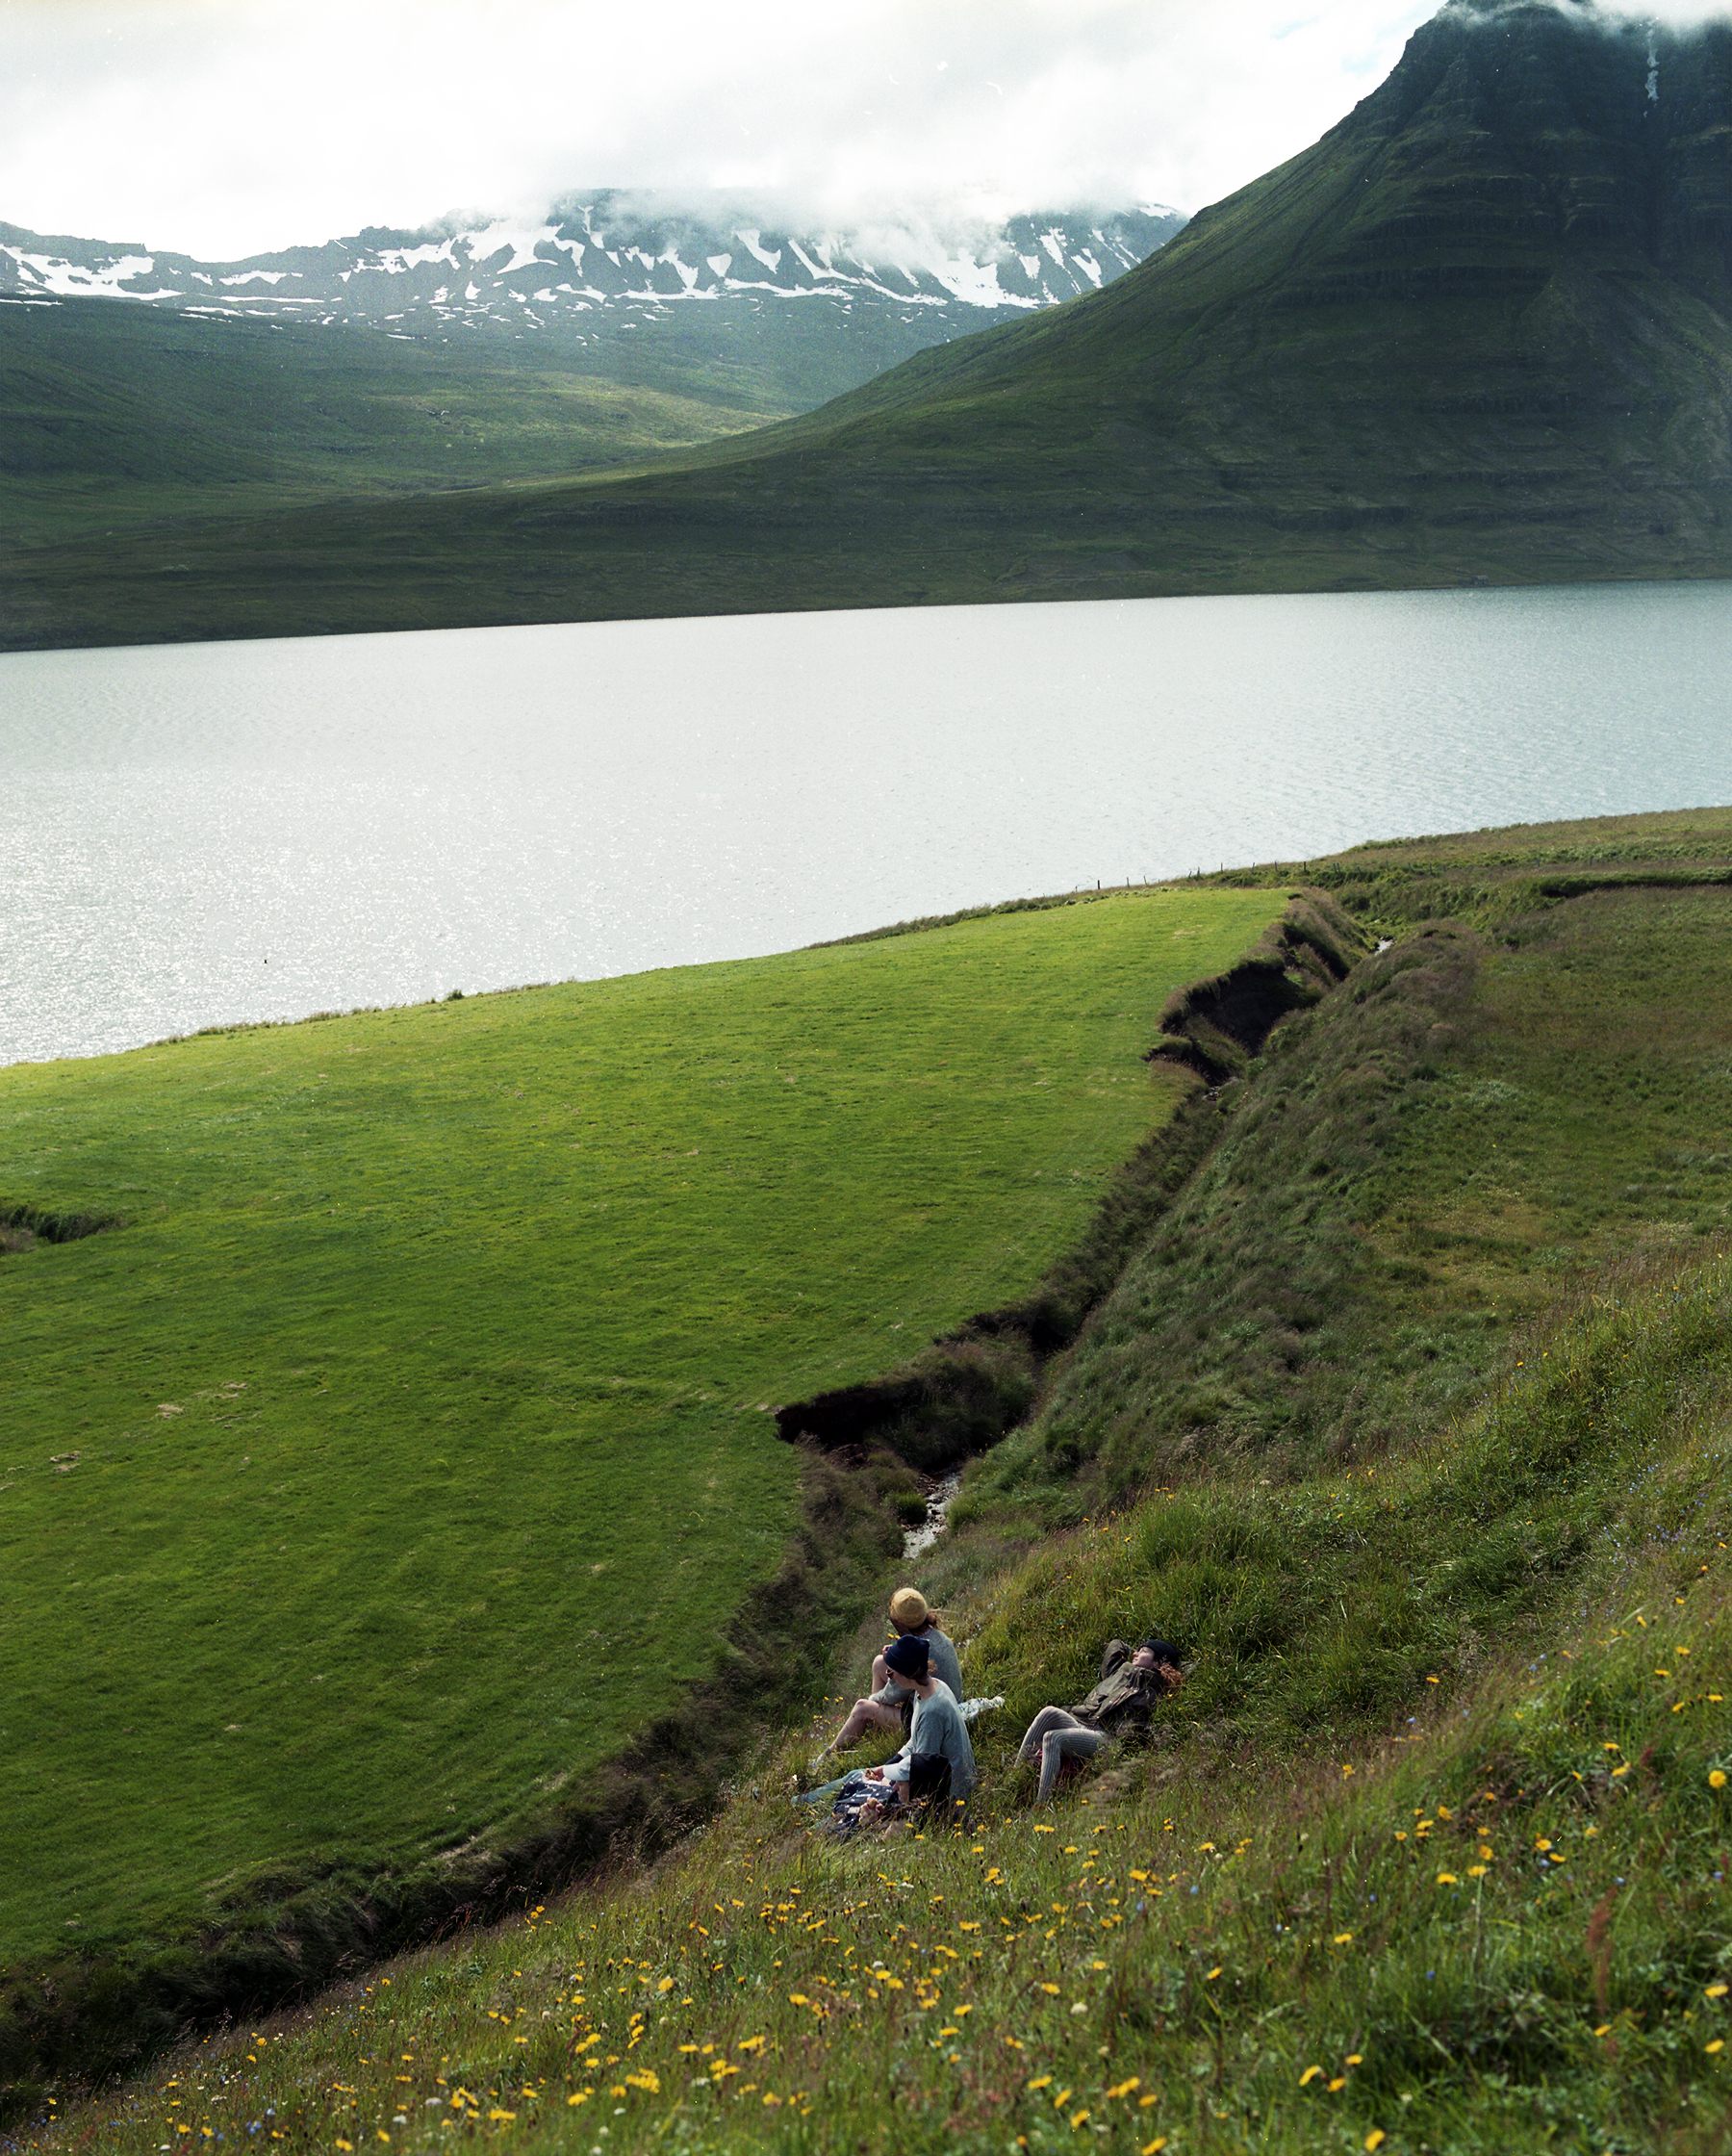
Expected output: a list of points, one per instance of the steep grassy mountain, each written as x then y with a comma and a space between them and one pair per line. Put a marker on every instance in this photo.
1480, 329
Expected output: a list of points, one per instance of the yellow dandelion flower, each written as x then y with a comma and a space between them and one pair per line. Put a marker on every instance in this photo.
1338, 2083
1718, 2045
1376, 2137
1124, 2088
1716, 1778
1343, 1939
1051, 1988
1045, 1830
1716, 1991
1355, 2059
1476, 1871
1309, 2075
1153, 2147
1212, 1974
1045, 2082
1076, 2120
1447, 1879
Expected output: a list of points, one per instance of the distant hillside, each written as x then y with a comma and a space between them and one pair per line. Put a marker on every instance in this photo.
1481, 330
116, 416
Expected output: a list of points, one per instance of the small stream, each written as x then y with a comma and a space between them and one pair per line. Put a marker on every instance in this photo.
918, 1539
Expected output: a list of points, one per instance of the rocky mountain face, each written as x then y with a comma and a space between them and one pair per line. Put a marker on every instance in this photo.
615, 269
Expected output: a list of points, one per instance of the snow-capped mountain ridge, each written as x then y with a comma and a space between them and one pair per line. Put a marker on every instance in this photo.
609, 254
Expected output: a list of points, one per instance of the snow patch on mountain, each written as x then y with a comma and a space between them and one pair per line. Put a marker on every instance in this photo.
614, 263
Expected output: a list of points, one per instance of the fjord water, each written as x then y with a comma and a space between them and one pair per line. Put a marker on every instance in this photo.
196, 834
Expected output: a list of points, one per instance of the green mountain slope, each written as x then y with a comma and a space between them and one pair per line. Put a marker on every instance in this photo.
1480, 329
115, 414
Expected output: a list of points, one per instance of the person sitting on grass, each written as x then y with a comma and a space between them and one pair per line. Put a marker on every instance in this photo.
890, 1701
1133, 1685
941, 1764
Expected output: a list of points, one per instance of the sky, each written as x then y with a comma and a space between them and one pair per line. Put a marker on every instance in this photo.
226, 127
223, 127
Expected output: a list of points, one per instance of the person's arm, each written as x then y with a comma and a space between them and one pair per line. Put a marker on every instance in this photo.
1117, 1652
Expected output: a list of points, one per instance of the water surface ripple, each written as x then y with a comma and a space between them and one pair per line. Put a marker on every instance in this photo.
201, 834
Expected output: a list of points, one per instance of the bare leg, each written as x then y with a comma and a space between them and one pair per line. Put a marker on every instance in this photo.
863, 1715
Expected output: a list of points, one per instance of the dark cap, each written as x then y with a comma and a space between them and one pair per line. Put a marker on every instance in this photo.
1163, 1650
907, 1657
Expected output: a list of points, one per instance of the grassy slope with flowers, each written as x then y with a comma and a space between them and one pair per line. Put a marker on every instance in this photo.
1430, 1853
1502, 1926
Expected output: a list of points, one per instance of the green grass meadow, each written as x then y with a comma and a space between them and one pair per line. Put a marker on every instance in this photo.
1491, 1919
406, 1449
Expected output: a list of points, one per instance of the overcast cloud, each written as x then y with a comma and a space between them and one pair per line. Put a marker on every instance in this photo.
223, 127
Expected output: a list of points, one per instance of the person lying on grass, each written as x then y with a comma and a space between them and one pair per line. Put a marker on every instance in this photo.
1132, 1684
941, 1764
890, 1701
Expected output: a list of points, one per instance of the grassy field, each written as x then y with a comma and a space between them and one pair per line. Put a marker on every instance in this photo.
1430, 1853
406, 1449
